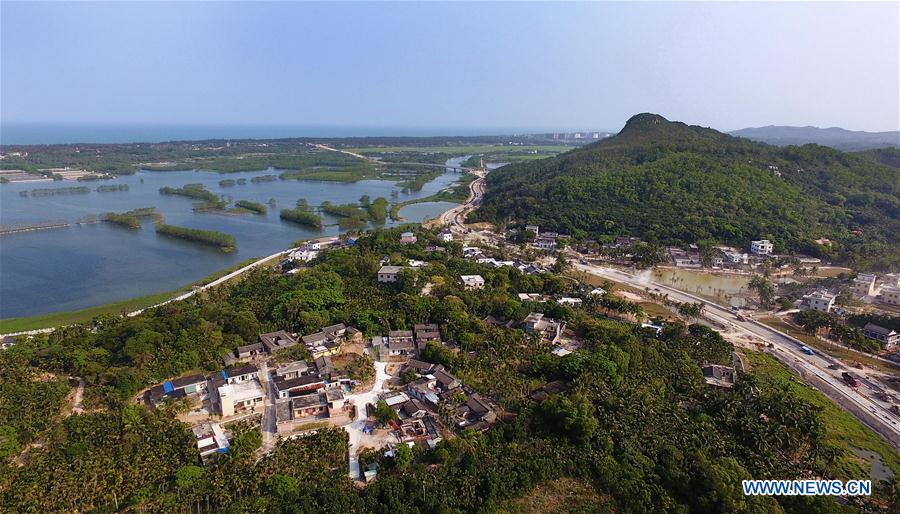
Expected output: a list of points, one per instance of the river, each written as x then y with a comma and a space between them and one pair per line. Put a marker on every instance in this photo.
93, 264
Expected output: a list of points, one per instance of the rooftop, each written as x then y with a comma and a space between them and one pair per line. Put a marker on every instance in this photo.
242, 391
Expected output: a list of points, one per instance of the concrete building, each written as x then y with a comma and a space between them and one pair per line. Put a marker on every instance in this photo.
890, 295
210, 439
819, 301
389, 274
408, 238
719, 377
472, 281
277, 340
887, 338
863, 285
192, 385
761, 247
238, 390
550, 329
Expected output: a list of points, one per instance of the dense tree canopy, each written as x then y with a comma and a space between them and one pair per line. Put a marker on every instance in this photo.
679, 184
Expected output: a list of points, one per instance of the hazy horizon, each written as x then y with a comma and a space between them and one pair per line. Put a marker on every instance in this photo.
504, 68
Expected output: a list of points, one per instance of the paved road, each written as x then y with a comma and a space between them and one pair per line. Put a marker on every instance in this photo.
860, 402
455, 218
268, 419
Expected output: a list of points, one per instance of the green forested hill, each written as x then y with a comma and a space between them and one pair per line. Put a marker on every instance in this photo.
674, 183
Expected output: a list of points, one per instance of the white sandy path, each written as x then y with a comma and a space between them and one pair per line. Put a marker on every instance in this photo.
355, 429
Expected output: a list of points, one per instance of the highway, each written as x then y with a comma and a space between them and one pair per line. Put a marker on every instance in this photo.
818, 369
456, 216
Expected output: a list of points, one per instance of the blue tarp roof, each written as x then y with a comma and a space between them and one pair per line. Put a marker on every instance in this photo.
168, 387
224, 374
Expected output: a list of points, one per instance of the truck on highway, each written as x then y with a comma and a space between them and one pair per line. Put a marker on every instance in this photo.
850, 379
807, 350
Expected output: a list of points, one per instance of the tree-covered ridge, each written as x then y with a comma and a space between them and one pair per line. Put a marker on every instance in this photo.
675, 184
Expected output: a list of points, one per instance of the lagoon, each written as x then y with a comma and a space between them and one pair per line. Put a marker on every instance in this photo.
92, 264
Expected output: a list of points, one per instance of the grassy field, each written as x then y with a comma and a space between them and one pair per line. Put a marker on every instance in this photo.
55, 319
839, 353
562, 495
842, 429
651, 309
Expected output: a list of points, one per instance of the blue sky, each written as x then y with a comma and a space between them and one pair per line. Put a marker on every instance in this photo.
526, 66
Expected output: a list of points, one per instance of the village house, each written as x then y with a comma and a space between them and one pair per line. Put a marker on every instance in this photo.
445, 380
683, 259
413, 409
408, 238
277, 340
324, 366
736, 258
424, 389
533, 228
389, 274
412, 430
192, 385
328, 341
475, 412
238, 390
425, 332
566, 300
891, 280
292, 370
250, 351
395, 399
210, 440
890, 295
819, 301
719, 377
303, 255
863, 285
296, 386
399, 344
546, 241
549, 328
532, 297
887, 338
530, 269
471, 252
472, 281
420, 367
446, 236
761, 247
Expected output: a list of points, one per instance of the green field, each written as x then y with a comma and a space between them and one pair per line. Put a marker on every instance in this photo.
55, 319
842, 429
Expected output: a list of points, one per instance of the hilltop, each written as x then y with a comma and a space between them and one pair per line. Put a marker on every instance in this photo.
674, 183
835, 137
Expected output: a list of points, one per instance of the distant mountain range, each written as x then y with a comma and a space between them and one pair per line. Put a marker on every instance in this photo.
672, 183
835, 137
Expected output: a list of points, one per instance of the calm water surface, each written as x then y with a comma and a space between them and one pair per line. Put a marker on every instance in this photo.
92, 264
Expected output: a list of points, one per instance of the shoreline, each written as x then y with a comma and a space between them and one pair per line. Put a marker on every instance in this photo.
41, 323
